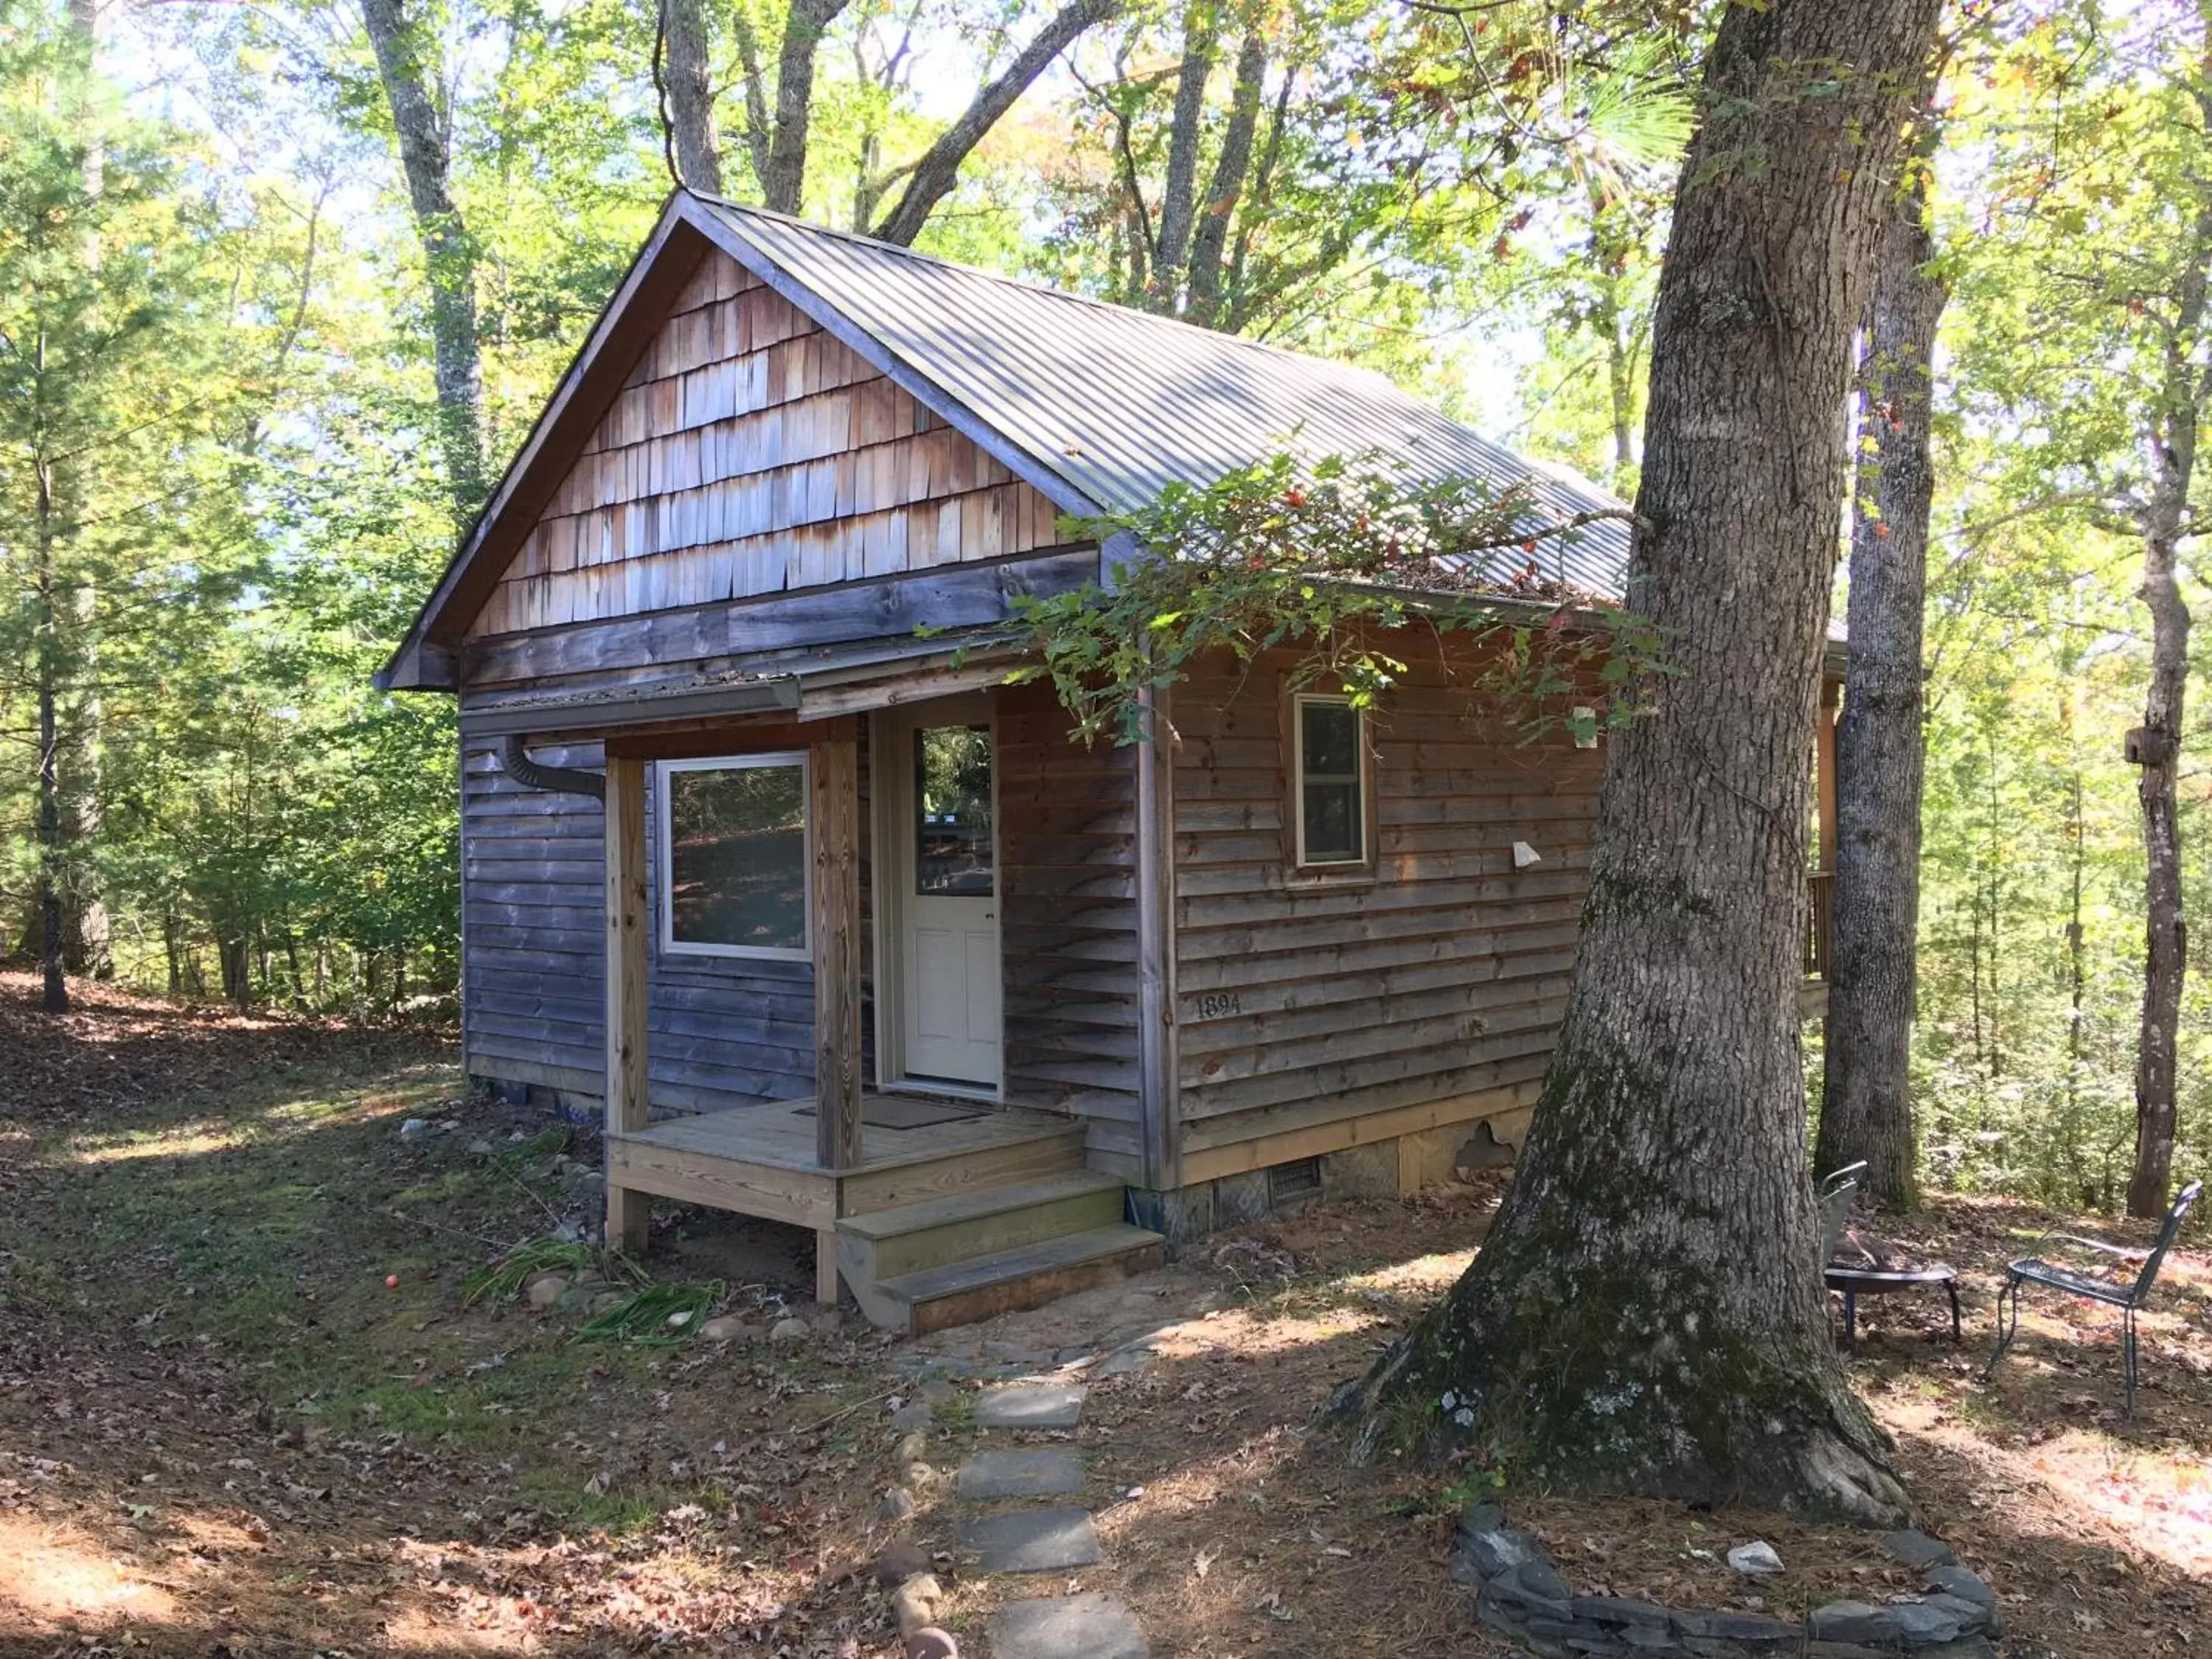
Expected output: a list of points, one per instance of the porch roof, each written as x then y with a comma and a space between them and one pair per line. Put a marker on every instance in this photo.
810, 684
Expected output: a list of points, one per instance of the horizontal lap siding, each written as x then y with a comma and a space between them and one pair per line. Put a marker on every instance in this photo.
752, 453
1301, 1001
723, 1031
1067, 845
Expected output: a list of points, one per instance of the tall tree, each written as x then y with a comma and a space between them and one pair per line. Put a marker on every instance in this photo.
1866, 1108
108, 383
2099, 186
1647, 1312
687, 95
409, 65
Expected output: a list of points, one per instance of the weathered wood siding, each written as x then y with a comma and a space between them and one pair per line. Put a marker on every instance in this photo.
751, 453
723, 1030
728, 1031
1068, 924
1307, 997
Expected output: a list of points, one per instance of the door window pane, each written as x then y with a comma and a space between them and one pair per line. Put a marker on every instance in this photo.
737, 855
1332, 798
952, 812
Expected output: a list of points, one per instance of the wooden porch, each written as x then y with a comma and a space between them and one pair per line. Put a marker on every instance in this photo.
764, 1160
931, 1209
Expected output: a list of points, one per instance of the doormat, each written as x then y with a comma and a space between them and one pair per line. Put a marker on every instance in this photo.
902, 1112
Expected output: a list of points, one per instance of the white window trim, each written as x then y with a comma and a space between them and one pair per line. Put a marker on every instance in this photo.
1298, 705
670, 945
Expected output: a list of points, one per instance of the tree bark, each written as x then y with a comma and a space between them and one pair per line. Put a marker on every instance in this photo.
1866, 1108
2166, 932
938, 169
1179, 190
1209, 242
406, 65
687, 98
2171, 445
1647, 1313
51, 861
783, 181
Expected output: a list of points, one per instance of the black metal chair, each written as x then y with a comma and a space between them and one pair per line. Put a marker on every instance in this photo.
1838, 1190
2127, 1298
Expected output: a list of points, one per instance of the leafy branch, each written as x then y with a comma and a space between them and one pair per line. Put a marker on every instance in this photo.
1331, 560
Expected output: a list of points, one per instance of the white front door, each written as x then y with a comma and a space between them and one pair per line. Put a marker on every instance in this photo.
945, 858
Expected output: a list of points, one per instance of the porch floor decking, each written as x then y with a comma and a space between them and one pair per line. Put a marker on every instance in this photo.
760, 1160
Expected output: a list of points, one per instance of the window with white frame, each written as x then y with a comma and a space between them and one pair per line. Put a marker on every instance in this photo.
1331, 786
733, 856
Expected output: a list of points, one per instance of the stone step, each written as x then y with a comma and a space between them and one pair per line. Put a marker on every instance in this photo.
961, 1227
1090, 1625
1023, 1471
1026, 1276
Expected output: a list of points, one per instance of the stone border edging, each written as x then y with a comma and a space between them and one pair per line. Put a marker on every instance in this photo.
1519, 1594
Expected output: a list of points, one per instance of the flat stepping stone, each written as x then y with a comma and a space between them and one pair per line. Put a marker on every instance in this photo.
1123, 1361
1031, 1405
1092, 1625
1034, 1541
1030, 1472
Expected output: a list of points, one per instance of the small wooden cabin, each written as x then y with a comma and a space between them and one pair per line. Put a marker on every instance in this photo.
839, 927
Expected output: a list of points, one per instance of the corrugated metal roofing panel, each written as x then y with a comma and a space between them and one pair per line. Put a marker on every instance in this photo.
1119, 403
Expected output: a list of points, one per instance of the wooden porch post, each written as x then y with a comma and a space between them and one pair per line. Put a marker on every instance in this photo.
1831, 696
835, 771
1156, 1044
626, 989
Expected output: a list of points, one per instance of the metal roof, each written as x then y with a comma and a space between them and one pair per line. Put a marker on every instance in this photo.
1116, 403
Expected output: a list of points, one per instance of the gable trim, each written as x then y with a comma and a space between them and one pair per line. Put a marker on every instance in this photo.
688, 228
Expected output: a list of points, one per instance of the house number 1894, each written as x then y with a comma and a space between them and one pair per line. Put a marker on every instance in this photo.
1217, 1005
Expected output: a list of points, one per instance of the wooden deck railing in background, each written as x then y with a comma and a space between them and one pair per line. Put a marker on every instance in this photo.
1820, 922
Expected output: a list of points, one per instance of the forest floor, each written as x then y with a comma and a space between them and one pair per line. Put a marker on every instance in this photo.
223, 1433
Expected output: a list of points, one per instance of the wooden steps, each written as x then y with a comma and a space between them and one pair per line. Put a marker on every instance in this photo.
987, 1250
1028, 1276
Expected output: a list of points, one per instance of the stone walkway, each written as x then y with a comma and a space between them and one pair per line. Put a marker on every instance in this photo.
1016, 1511
1015, 1504
1051, 1538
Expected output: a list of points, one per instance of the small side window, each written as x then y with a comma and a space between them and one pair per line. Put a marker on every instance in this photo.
1331, 786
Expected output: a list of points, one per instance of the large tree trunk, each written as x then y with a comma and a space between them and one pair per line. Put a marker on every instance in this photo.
1647, 1313
687, 97
407, 66
1866, 1110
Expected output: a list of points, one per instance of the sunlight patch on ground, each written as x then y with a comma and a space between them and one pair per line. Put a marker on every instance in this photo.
1422, 1275
51, 1575
413, 1630
186, 1140
207, 1135
2158, 1502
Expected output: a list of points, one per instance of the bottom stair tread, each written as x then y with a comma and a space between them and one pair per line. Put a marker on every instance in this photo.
1058, 1264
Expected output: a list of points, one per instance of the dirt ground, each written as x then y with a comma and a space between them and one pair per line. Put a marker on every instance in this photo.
246, 1407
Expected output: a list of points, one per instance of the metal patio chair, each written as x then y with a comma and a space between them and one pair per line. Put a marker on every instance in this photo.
1836, 1192
2127, 1298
